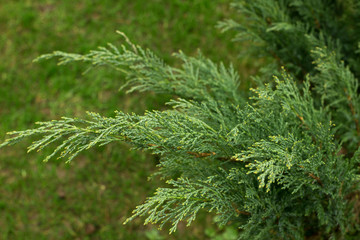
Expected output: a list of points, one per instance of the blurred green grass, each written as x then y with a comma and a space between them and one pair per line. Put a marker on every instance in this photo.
91, 197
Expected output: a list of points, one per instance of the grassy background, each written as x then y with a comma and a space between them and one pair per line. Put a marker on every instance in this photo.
91, 197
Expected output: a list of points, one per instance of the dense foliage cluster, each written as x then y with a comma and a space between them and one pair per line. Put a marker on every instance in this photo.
280, 161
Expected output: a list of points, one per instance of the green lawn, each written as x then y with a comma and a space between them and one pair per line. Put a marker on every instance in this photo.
91, 197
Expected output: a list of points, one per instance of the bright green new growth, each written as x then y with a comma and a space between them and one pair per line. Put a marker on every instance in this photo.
282, 164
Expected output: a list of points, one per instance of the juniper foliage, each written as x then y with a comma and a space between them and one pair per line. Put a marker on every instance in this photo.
280, 164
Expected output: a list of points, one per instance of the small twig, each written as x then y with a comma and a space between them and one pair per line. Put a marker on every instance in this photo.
307, 128
318, 180
201, 155
317, 23
242, 212
302, 120
341, 187
268, 21
277, 58
352, 109
239, 212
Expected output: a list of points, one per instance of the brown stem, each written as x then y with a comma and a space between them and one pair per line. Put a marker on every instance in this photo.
301, 119
318, 180
277, 58
353, 112
200, 154
317, 23
240, 212
307, 128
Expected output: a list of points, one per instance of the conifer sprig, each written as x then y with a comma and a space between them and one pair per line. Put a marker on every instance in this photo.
280, 165
198, 78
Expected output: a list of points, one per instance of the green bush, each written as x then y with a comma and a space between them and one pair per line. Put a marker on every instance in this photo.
279, 161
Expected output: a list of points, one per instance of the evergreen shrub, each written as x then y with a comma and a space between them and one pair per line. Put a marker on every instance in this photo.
280, 161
